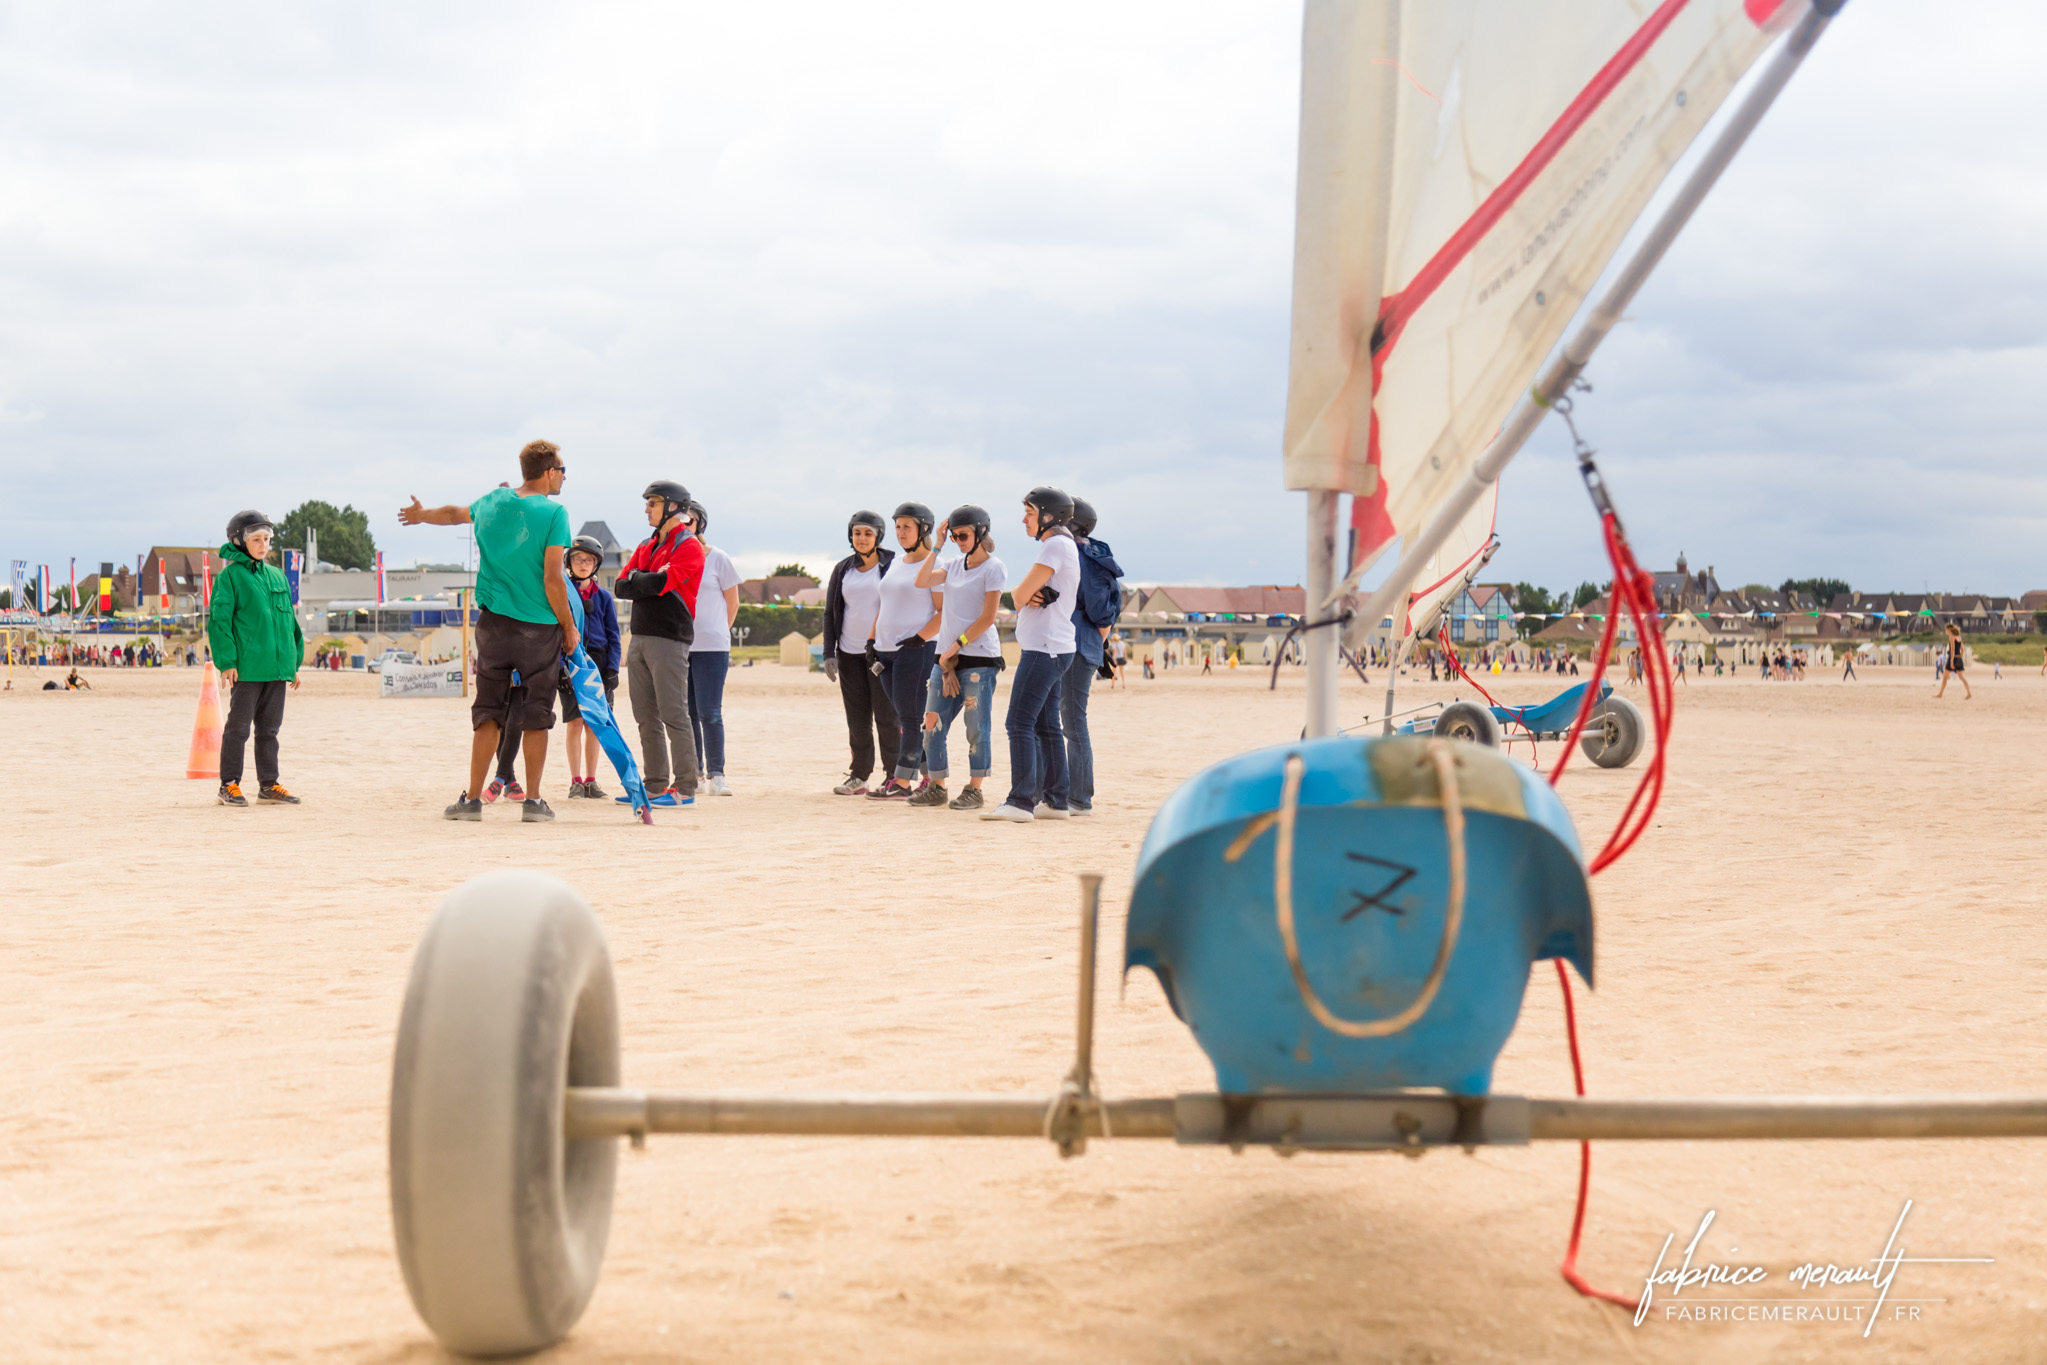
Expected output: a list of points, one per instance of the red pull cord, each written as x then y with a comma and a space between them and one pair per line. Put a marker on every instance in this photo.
1634, 591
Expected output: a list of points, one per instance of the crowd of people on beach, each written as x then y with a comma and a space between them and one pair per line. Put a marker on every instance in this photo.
909, 639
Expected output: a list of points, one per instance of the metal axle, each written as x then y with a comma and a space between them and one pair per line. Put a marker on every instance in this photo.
1398, 1121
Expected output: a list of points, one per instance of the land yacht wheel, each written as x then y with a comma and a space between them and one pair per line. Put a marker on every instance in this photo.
1613, 735
500, 1221
1470, 722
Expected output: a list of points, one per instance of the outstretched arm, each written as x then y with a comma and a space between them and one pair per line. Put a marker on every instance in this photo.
454, 514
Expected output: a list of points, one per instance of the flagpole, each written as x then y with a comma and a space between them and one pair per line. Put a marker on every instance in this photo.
1571, 359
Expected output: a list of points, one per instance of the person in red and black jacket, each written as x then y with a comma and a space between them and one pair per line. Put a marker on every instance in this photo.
661, 581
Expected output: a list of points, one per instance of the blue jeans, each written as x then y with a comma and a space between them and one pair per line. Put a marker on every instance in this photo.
977, 699
1080, 752
906, 674
707, 708
1037, 750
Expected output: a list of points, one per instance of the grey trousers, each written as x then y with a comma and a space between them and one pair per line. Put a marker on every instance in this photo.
657, 681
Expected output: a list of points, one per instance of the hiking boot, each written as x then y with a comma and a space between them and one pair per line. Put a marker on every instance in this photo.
493, 791
231, 794
514, 792
535, 811
852, 786
1045, 812
970, 799
1005, 811
719, 786
276, 792
930, 794
893, 791
466, 807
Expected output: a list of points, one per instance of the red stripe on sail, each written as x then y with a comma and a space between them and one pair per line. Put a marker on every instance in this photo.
1398, 308
1371, 525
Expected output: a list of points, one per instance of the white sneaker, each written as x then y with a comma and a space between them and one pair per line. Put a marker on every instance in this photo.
1077, 811
1005, 811
1045, 812
852, 786
719, 787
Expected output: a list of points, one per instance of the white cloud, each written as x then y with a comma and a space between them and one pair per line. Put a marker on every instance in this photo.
812, 257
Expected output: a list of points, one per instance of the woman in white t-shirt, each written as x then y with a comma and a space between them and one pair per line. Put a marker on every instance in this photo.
1044, 633
902, 641
710, 653
969, 658
852, 607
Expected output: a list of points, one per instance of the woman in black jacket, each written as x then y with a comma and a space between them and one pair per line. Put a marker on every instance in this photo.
852, 605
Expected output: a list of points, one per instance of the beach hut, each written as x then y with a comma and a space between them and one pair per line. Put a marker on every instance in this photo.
795, 650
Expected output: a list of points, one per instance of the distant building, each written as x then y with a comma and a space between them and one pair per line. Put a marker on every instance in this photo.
615, 554
779, 588
1481, 613
1258, 603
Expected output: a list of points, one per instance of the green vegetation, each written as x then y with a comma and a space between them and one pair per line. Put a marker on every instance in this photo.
1820, 590
345, 540
794, 571
766, 623
1586, 592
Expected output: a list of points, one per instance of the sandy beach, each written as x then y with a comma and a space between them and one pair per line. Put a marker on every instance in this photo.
1838, 896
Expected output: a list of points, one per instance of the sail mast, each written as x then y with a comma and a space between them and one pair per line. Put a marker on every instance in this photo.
1344, 202
1571, 359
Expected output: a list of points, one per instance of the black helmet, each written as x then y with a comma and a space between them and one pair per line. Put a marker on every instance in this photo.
919, 513
698, 515
674, 497
974, 515
1083, 517
1054, 507
589, 545
871, 520
241, 523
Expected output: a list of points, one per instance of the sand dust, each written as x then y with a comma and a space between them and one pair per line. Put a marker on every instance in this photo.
1841, 895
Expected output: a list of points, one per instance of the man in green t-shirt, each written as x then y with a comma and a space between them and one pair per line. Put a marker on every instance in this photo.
525, 624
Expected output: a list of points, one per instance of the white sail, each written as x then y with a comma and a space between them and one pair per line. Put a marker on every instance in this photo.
1467, 169
1450, 568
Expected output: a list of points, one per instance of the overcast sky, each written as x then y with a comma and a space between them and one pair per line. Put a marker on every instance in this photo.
814, 257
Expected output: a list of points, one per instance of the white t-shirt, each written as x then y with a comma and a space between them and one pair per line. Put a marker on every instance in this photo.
861, 591
713, 622
905, 607
966, 594
1049, 630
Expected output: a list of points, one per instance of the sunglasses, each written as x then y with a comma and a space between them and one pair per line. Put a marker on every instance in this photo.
962, 536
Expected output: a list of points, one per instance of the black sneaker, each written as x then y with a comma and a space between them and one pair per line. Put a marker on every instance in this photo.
276, 792
535, 810
576, 789
466, 807
593, 792
932, 794
970, 799
231, 794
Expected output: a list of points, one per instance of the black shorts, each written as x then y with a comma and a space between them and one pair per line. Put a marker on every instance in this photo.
505, 645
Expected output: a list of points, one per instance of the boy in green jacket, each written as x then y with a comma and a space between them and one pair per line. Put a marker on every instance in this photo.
257, 646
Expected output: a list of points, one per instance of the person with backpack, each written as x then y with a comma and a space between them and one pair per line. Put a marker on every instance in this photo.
1045, 637
1094, 615
258, 645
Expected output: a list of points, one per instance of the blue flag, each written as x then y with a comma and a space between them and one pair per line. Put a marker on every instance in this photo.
589, 690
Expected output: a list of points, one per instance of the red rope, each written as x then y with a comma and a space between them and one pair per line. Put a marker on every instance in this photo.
1635, 592
1520, 712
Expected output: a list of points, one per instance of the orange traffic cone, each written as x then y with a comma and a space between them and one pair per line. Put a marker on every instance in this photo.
204, 760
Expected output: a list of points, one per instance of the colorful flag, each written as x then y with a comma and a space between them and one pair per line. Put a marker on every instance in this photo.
293, 560
382, 594
163, 585
206, 580
74, 585
43, 595
106, 588
140, 560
